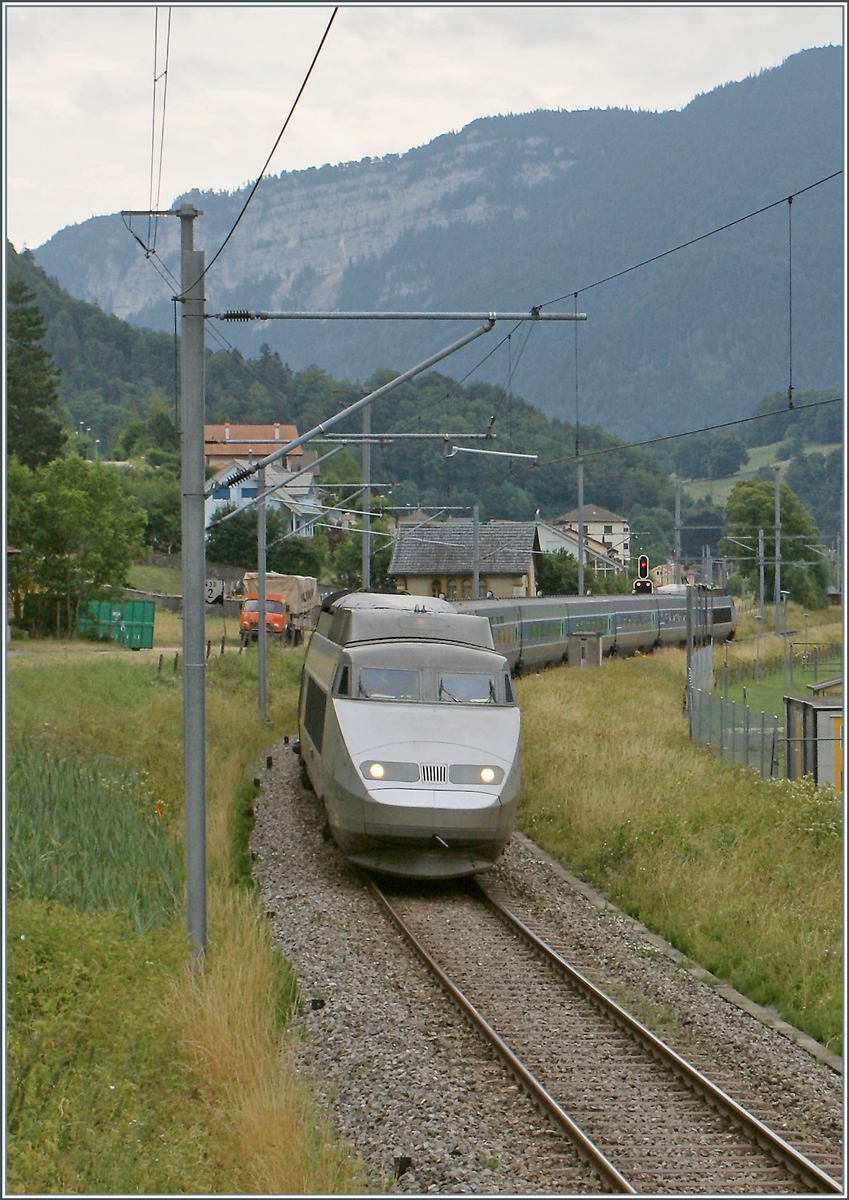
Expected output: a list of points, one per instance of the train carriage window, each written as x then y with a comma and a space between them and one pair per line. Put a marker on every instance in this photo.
388, 683
467, 689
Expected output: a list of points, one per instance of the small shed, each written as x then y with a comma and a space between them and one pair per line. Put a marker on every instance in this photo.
814, 734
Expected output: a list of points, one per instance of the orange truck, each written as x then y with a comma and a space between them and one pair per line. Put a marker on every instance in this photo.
291, 602
276, 616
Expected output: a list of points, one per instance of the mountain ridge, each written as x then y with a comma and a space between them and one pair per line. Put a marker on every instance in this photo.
514, 210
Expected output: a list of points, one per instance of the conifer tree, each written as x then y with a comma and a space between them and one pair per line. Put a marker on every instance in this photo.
35, 429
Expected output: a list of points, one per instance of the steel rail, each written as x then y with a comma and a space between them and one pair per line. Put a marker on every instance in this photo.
587, 1150
811, 1176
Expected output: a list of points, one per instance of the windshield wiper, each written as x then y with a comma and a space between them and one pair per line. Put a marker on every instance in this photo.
444, 689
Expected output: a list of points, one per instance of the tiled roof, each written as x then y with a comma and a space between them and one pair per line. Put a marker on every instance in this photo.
226, 439
446, 548
591, 513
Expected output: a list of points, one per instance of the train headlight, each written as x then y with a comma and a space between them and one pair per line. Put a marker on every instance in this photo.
390, 772
487, 775
474, 773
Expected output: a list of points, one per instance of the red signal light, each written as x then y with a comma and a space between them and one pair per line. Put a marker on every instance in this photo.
643, 566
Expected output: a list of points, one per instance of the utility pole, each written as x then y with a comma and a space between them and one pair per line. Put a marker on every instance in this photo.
194, 571
676, 553
366, 460
476, 555
777, 551
761, 570
580, 463
261, 555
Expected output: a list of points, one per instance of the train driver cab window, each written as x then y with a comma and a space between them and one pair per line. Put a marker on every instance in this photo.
436, 588
508, 690
467, 689
388, 683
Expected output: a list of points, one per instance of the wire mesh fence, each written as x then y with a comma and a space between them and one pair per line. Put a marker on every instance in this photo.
738, 732
805, 660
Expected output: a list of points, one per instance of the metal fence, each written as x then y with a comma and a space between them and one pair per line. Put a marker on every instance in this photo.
738, 732
807, 660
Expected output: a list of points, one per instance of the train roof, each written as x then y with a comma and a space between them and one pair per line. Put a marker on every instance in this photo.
372, 616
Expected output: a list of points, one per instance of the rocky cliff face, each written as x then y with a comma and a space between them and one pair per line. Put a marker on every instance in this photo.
304, 229
513, 211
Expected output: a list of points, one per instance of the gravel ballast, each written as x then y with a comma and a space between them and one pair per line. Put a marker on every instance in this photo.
414, 1091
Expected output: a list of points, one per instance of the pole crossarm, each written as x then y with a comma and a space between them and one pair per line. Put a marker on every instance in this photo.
246, 472
501, 453
261, 315
213, 485
377, 438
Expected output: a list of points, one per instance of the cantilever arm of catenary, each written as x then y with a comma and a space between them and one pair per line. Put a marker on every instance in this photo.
246, 472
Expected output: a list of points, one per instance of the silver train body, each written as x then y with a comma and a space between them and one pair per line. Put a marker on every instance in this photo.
538, 632
409, 730
409, 733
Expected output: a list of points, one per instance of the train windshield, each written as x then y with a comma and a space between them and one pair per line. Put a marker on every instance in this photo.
467, 689
388, 683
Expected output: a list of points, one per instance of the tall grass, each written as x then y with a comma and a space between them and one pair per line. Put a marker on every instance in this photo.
216, 1033
741, 874
87, 837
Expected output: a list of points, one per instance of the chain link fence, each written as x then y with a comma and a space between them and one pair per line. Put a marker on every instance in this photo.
738, 732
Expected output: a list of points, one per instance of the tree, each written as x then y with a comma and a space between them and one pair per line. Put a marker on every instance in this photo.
35, 428
347, 564
233, 543
557, 573
750, 507
77, 532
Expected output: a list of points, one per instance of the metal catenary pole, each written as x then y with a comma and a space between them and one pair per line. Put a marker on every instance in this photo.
261, 632
676, 573
777, 551
476, 555
580, 462
194, 571
366, 460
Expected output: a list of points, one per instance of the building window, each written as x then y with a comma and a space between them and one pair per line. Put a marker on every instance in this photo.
221, 493
467, 589
436, 588
608, 529
452, 589
248, 493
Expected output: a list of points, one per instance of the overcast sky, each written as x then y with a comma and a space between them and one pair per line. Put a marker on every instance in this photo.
79, 84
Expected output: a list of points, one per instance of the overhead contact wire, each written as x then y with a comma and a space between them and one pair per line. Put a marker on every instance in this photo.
693, 241
252, 192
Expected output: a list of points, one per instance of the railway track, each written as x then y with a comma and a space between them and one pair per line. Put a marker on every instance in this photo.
639, 1117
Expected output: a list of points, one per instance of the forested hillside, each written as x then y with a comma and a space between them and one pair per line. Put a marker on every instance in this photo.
518, 210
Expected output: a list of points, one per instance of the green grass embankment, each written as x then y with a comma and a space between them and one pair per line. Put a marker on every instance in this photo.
742, 875
126, 1072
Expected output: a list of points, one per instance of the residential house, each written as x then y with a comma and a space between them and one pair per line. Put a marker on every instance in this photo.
606, 528
230, 447
436, 559
598, 556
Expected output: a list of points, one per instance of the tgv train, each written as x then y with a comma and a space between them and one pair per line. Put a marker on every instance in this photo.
537, 632
409, 732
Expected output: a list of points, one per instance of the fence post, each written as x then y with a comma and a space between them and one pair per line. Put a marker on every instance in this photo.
722, 727
816, 663
746, 712
763, 741
773, 762
733, 730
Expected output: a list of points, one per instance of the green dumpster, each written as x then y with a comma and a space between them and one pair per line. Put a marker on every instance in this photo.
130, 623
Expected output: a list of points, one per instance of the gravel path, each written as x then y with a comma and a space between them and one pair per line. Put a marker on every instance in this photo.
409, 1085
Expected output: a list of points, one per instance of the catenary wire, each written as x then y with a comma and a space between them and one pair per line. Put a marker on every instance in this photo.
668, 437
164, 76
692, 241
271, 155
